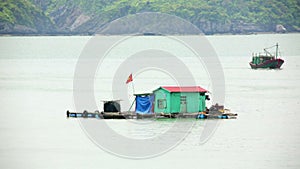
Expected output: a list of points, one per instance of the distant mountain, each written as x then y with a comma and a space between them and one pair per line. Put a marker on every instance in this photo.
23, 17
90, 16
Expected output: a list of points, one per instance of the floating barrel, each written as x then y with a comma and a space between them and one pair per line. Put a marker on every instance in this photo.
223, 116
201, 116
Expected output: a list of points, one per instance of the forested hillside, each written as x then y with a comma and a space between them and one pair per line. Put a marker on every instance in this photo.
88, 16
21, 16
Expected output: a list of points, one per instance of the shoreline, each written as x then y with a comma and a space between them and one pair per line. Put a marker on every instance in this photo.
87, 34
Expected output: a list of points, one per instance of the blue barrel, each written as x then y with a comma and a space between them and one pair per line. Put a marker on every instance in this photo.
223, 116
201, 116
72, 115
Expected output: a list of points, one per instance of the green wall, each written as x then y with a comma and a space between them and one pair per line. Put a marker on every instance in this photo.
162, 94
202, 103
194, 102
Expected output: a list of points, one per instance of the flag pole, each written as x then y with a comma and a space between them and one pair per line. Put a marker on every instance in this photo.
133, 87
130, 80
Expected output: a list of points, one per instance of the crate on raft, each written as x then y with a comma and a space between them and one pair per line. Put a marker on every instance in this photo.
216, 112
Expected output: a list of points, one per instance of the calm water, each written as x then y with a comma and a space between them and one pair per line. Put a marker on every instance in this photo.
36, 88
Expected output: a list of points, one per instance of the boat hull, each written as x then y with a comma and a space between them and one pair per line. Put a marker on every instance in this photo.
269, 64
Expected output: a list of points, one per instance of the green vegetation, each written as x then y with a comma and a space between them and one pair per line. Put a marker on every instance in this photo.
23, 13
266, 13
15, 11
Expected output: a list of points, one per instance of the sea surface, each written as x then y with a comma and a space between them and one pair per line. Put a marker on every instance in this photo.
37, 87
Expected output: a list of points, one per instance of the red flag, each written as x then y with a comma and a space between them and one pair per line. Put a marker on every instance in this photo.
129, 79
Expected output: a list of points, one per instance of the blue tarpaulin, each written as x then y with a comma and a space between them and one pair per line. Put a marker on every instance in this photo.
144, 104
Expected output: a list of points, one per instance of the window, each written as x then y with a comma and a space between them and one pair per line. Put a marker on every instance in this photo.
182, 99
161, 103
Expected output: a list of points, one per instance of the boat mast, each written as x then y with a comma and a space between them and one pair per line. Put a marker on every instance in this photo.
267, 52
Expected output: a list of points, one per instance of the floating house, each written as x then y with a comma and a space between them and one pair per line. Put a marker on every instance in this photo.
166, 101
175, 99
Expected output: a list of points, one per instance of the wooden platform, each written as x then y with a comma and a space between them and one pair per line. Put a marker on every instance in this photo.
133, 115
109, 115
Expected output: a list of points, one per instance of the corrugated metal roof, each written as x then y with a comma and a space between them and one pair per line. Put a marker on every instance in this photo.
184, 89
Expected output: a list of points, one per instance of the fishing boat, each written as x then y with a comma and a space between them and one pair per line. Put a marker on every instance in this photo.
266, 60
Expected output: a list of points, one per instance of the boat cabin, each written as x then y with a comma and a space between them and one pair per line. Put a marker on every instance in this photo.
258, 59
